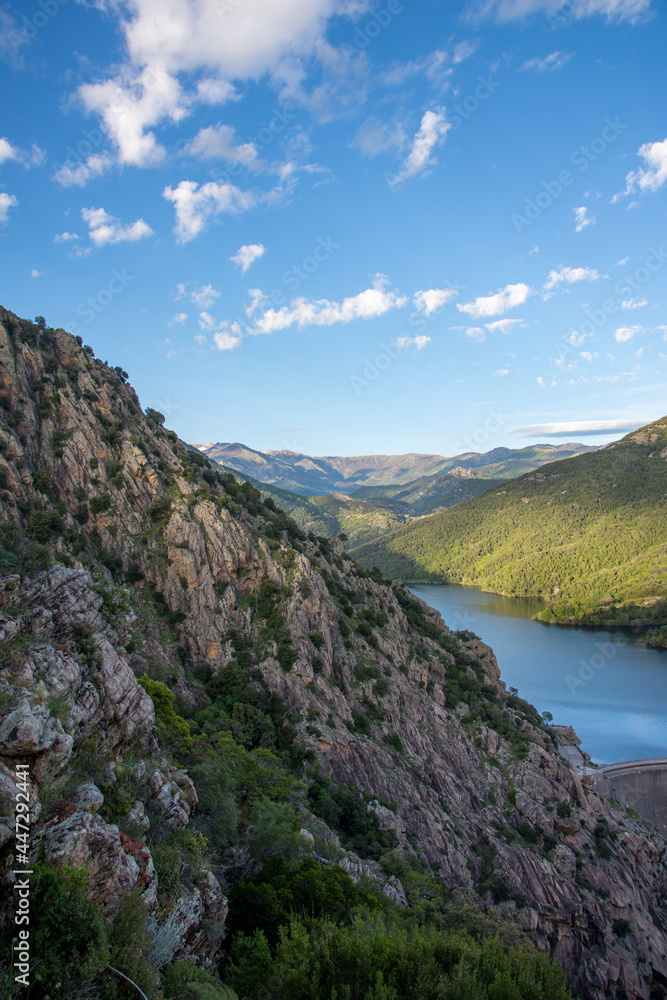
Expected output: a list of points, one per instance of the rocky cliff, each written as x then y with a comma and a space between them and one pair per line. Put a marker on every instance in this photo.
125, 556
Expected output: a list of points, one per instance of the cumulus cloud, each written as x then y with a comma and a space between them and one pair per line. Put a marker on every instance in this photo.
7, 201
204, 296
432, 299
78, 174
104, 228
168, 44
419, 342
218, 142
7, 151
227, 337
35, 273
556, 60
569, 276
517, 10
375, 301
625, 333
653, 175
195, 205
507, 298
501, 371
581, 427
477, 333
246, 255
65, 237
582, 219
432, 132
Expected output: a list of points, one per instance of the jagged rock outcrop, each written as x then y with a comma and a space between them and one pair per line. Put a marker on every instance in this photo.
383, 689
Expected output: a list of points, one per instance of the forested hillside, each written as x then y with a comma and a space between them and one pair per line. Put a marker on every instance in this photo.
587, 531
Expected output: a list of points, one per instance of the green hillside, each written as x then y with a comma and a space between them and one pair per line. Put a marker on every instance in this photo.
330, 516
583, 532
425, 495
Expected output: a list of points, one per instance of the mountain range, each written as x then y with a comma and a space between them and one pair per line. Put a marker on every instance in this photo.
312, 476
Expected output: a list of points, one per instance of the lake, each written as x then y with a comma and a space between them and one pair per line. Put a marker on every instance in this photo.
610, 688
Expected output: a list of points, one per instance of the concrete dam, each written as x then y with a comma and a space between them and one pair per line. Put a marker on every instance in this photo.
638, 784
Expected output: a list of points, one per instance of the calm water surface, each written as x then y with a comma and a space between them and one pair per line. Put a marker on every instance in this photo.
610, 688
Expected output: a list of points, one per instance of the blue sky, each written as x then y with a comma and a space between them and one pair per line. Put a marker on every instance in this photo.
346, 226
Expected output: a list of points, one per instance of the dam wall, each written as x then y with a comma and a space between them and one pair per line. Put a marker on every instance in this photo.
638, 784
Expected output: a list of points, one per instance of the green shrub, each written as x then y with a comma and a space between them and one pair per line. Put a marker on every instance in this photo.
69, 938
100, 503
173, 732
375, 958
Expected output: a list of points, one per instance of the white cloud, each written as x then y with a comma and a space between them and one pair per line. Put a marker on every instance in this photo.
508, 297
432, 132
177, 320
589, 355
556, 60
218, 142
196, 205
7, 201
105, 228
65, 237
201, 340
78, 174
228, 337
634, 303
540, 381
35, 273
7, 151
418, 342
623, 261
501, 371
432, 299
188, 38
373, 137
516, 10
375, 301
246, 255
625, 333
29, 159
206, 322
582, 218
535, 249
503, 325
576, 339
567, 428
651, 177
476, 333
204, 296
570, 275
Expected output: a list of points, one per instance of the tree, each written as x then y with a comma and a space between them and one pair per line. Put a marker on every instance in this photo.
547, 717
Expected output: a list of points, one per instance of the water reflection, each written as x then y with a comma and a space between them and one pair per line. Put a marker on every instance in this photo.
610, 688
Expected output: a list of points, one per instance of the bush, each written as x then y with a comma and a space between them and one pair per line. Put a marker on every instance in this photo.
378, 959
173, 732
69, 938
100, 503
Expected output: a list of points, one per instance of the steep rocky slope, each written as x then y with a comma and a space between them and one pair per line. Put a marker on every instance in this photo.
166, 569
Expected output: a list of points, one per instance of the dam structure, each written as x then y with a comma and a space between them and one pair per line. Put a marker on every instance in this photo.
640, 785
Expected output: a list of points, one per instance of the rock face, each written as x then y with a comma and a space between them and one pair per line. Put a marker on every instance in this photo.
384, 691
